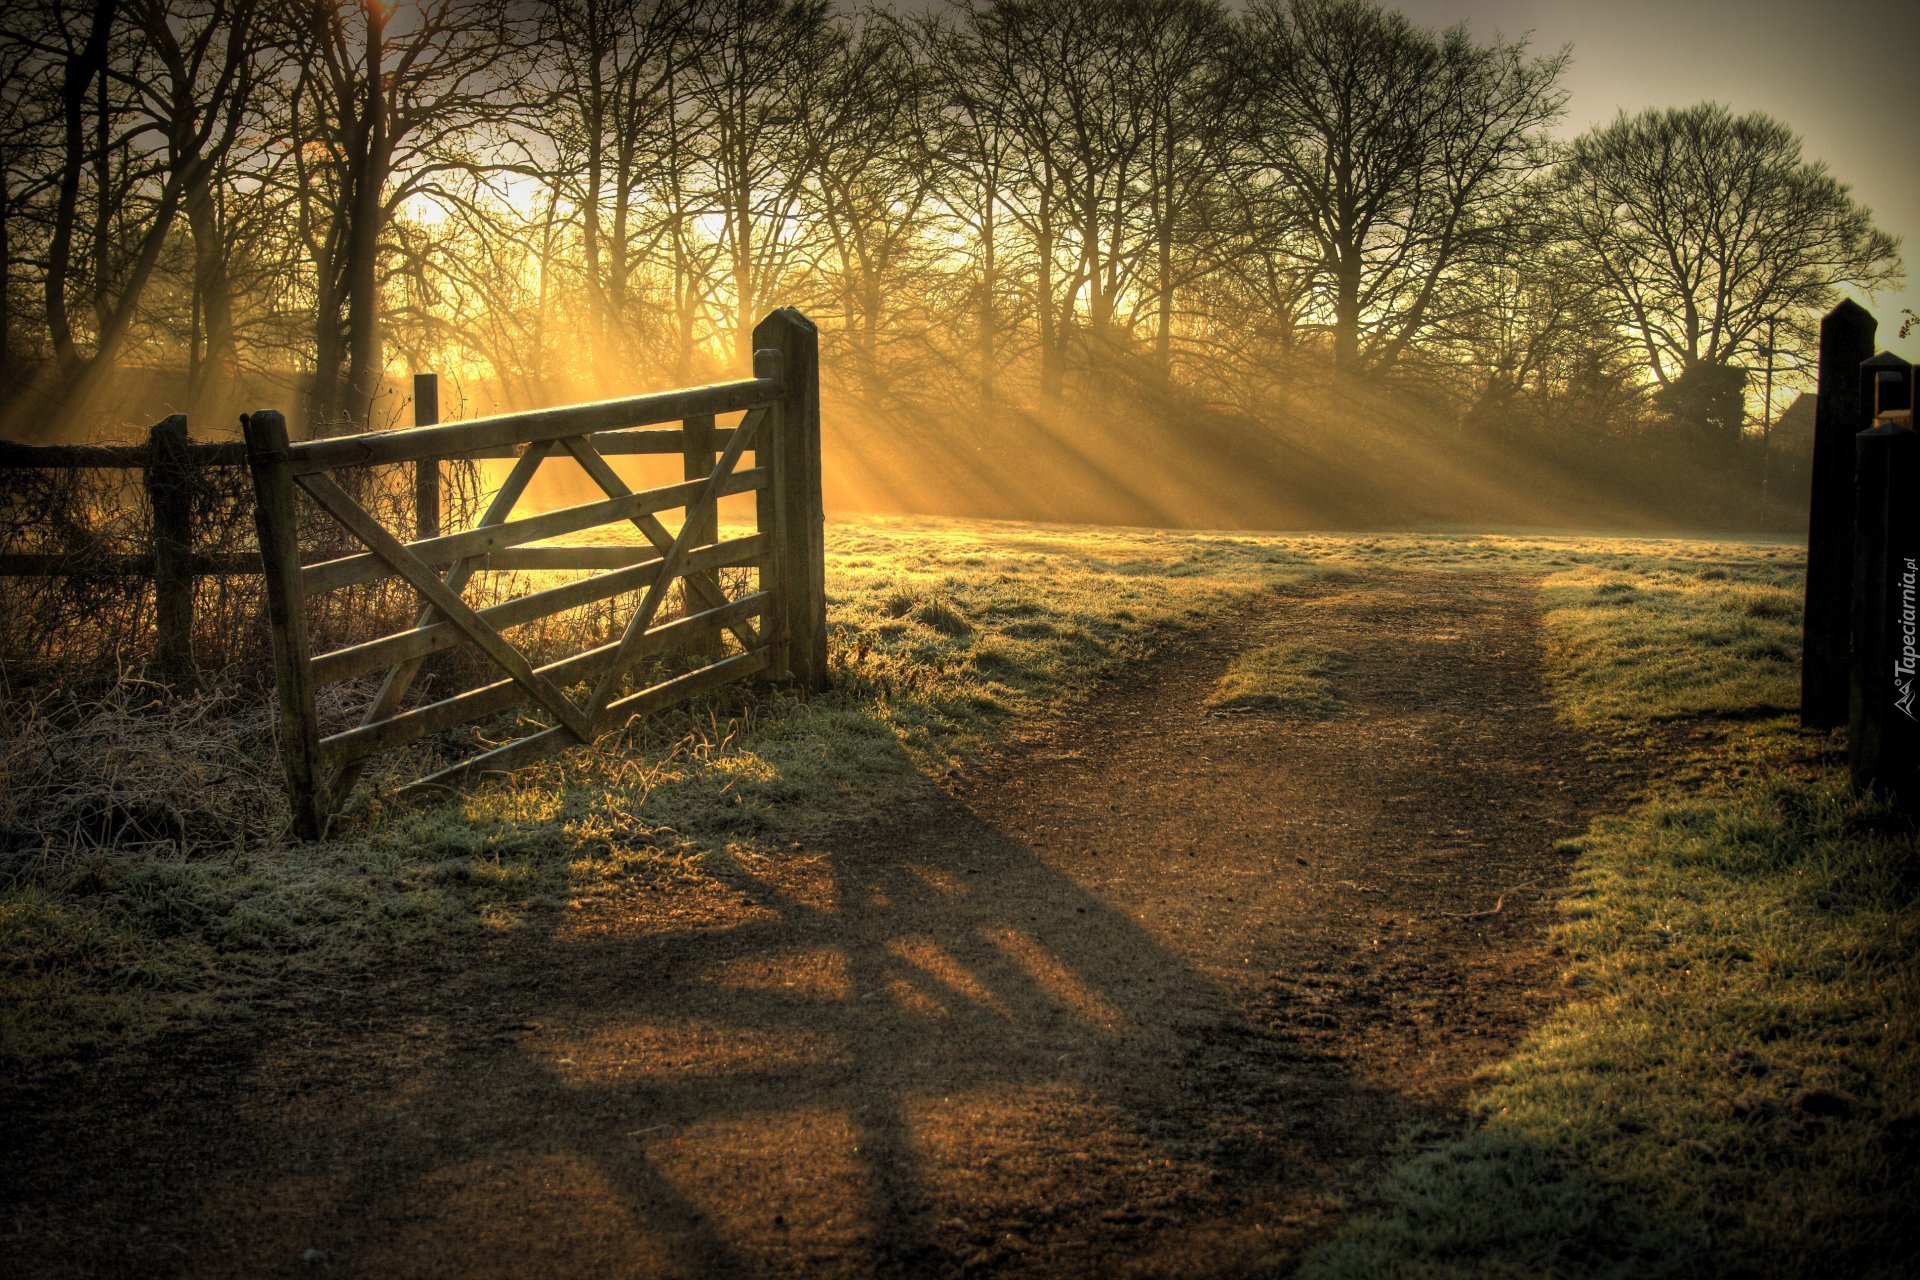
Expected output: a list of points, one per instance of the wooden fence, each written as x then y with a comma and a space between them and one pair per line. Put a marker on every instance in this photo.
1862, 616
167, 464
779, 628
170, 464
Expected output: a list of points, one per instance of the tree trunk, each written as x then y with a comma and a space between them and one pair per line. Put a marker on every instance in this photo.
365, 365
1346, 314
216, 355
1050, 363
743, 281
329, 362
590, 218
79, 78
683, 276
1163, 205
989, 354
9, 384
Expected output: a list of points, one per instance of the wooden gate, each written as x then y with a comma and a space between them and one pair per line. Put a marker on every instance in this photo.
779, 627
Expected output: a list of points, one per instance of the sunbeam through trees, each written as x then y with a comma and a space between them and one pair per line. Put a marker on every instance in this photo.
1341, 254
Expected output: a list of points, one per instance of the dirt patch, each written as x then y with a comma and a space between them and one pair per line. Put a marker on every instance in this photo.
1153, 995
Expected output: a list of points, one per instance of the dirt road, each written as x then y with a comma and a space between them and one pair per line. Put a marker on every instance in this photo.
1153, 996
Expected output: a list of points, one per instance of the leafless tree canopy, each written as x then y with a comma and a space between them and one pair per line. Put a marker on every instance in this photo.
1009, 211
1698, 227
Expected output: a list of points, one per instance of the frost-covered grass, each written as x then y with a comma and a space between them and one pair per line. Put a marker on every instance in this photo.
150, 884
1281, 679
1734, 1088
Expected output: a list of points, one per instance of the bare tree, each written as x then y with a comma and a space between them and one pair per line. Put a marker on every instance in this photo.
1115, 120
1397, 152
1180, 85
1700, 228
386, 108
1015, 50
872, 187
26, 161
144, 100
753, 89
621, 133
969, 148
210, 53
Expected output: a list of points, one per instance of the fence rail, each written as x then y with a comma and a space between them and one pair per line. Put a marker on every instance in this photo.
779, 628
167, 463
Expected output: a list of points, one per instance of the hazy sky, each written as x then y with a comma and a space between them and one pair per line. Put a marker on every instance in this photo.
1840, 73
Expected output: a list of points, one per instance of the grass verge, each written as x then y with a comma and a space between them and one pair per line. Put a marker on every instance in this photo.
1733, 1089
145, 882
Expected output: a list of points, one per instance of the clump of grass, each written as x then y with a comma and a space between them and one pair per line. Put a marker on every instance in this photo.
1281, 679
941, 616
136, 768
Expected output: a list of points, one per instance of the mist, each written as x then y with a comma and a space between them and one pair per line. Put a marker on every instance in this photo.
1157, 262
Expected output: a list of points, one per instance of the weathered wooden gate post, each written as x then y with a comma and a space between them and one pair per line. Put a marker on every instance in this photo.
799, 528
1840, 414
275, 520
1883, 731
426, 472
1883, 736
170, 500
697, 458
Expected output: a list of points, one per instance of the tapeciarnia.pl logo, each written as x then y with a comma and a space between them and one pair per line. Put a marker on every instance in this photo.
1908, 659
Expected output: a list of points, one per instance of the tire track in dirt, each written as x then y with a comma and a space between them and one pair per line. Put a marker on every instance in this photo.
1151, 996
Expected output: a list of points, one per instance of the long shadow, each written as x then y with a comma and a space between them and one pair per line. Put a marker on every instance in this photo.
808, 1078
395, 1156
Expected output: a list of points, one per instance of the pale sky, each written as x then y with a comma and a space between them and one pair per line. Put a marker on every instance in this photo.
1839, 73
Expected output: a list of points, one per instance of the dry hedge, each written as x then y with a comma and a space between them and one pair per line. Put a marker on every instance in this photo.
84, 630
100, 754
136, 768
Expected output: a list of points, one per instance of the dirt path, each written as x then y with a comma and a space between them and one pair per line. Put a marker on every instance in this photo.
1152, 997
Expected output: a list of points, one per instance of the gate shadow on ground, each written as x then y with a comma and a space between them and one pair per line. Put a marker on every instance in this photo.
917, 1049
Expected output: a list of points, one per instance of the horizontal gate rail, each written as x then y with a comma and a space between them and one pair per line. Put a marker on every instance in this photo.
660, 697
776, 630
351, 745
359, 659
330, 575
618, 443
379, 448
166, 464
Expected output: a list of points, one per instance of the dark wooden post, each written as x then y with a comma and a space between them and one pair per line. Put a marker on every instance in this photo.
799, 527
170, 499
1883, 729
1846, 339
1886, 384
426, 472
766, 364
274, 519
